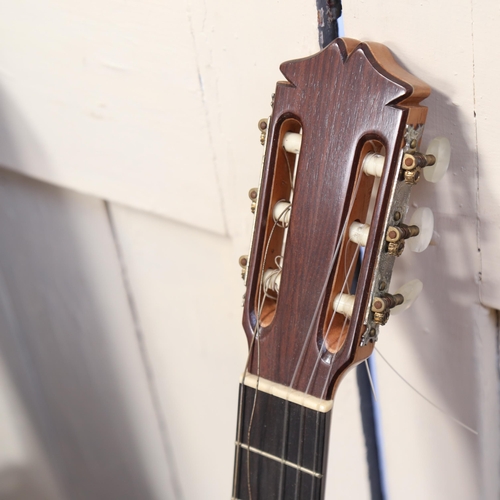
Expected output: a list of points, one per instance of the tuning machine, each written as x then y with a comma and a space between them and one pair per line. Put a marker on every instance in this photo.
262, 125
253, 194
418, 233
243, 262
434, 163
385, 304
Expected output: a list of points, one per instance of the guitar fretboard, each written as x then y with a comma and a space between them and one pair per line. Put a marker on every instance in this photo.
280, 449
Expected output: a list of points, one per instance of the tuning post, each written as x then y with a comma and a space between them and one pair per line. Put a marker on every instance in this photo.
343, 303
373, 164
272, 280
358, 233
281, 213
292, 142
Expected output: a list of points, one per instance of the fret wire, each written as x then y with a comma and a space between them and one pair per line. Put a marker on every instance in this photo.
310, 459
278, 459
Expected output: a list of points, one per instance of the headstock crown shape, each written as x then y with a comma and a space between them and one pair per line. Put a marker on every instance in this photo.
341, 158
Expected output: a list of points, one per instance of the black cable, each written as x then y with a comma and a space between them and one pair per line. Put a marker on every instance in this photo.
328, 13
366, 404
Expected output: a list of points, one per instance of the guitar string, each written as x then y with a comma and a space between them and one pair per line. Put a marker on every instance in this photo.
325, 285
347, 273
307, 339
323, 348
240, 410
255, 337
256, 332
302, 410
358, 181
372, 385
465, 426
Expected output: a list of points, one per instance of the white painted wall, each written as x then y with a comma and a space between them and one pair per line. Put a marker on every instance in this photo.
129, 325
447, 345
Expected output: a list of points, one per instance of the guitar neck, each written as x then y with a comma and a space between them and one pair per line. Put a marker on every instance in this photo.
281, 443
342, 154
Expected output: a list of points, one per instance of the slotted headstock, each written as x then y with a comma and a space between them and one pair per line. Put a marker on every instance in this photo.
340, 160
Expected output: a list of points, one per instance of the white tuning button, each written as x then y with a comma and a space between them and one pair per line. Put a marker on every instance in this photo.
343, 303
440, 148
281, 213
272, 280
292, 142
373, 164
424, 219
410, 292
358, 233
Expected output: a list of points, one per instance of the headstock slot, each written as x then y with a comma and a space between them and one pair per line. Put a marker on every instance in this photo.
335, 324
275, 234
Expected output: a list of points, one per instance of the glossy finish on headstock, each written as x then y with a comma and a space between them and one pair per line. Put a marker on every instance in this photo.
348, 99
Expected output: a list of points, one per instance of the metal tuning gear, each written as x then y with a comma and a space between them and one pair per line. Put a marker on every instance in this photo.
385, 304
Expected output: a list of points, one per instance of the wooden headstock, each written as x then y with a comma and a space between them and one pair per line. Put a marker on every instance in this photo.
357, 111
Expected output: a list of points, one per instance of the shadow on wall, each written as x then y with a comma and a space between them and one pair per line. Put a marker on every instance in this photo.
19, 484
62, 307
440, 331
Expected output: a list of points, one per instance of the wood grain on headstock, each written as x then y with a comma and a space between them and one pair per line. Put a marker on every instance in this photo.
346, 99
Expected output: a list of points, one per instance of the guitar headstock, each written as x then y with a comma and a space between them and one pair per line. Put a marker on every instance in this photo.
341, 157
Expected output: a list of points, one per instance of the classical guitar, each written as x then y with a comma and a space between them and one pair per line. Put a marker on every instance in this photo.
341, 157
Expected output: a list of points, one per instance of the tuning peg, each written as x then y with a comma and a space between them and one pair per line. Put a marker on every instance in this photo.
373, 164
423, 218
410, 291
439, 148
272, 280
292, 142
343, 303
281, 213
358, 233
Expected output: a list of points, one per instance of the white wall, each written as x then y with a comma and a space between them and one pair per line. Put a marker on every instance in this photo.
121, 334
